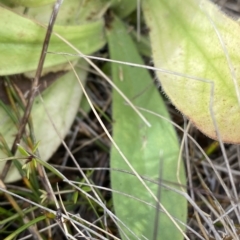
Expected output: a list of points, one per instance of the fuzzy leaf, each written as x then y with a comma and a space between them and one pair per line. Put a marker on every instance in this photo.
195, 38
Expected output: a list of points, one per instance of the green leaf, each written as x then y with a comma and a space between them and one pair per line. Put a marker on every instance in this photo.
35, 147
75, 197
147, 148
61, 102
194, 38
21, 42
23, 151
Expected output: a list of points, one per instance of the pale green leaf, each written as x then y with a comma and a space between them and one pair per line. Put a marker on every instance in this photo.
61, 102
147, 148
194, 38
21, 42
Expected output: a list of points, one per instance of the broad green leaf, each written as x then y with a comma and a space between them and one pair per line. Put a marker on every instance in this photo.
61, 100
146, 148
21, 42
195, 38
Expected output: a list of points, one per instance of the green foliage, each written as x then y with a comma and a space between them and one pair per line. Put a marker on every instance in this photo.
149, 150
153, 152
199, 43
28, 39
61, 104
